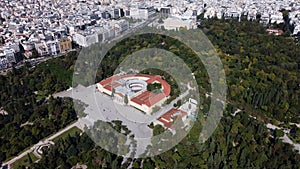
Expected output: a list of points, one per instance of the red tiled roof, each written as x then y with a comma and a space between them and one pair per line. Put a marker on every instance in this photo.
108, 87
110, 83
166, 87
147, 98
114, 84
166, 119
105, 81
120, 94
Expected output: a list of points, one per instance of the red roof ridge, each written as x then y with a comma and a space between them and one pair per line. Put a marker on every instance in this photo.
147, 98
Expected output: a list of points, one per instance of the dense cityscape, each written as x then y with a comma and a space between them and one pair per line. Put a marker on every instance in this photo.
46, 28
40, 40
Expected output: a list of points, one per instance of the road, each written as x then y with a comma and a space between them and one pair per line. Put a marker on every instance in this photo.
33, 61
42, 142
138, 26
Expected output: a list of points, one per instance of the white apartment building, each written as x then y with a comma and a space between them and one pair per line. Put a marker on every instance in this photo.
176, 24
136, 13
10, 55
120, 26
52, 47
85, 39
41, 48
296, 30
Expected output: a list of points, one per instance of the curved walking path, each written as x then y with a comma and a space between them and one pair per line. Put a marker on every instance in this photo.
46, 141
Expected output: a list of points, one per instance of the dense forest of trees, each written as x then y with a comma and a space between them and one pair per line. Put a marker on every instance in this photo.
239, 142
262, 71
32, 113
81, 149
77, 149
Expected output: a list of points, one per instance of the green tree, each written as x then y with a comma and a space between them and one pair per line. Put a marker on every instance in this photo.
126, 99
113, 92
158, 129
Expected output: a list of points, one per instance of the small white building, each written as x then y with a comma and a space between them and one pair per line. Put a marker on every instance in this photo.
27, 45
14, 46
10, 55
187, 113
277, 18
52, 47
173, 23
210, 13
3, 60
85, 39
296, 30
136, 13
41, 48
105, 33
120, 26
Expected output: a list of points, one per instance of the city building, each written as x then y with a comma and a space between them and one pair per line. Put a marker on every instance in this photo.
131, 89
136, 13
4, 63
65, 44
167, 119
28, 46
89, 22
85, 38
186, 113
10, 55
1, 40
173, 23
120, 26
165, 10
52, 47
105, 33
41, 49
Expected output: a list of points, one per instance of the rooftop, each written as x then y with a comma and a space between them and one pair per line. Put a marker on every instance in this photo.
131, 84
168, 118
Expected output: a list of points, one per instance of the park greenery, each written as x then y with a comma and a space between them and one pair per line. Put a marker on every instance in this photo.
27, 160
262, 74
238, 142
77, 149
262, 71
33, 113
74, 149
154, 86
71, 132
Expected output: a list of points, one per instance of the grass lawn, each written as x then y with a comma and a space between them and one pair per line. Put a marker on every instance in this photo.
70, 132
24, 161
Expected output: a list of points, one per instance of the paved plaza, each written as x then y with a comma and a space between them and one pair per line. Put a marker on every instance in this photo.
102, 107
